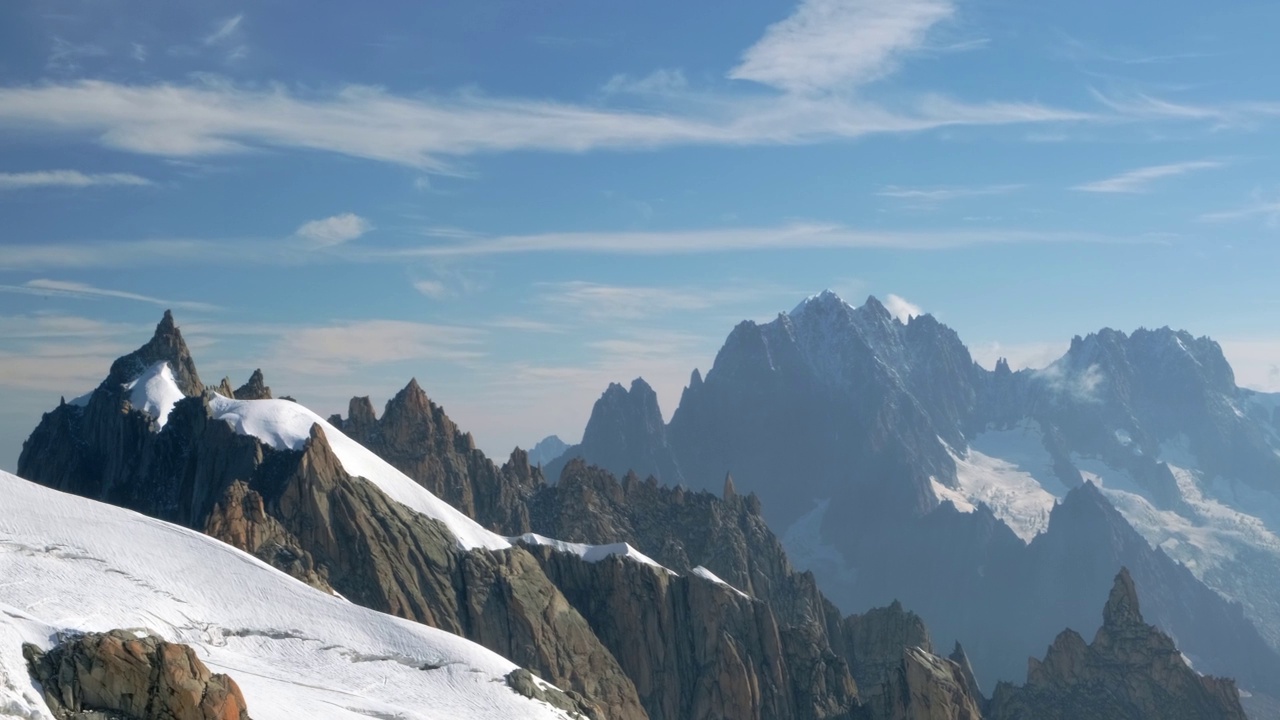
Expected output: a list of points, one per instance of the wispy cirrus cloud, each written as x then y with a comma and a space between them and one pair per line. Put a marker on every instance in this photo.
228, 36
788, 237
335, 230
83, 291
339, 348
212, 118
600, 301
224, 30
839, 44
46, 256
1140, 180
1144, 106
1268, 209
67, 178
942, 194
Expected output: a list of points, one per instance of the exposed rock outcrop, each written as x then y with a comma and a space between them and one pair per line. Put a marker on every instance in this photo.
927, 687
1131, 671
120, 675
418, 438
255, 389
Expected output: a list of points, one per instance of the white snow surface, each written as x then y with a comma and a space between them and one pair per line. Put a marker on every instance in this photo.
706, 574
68, 564
1224, 531
1012, 473
808, 550
284, 424
591, 553
155, 392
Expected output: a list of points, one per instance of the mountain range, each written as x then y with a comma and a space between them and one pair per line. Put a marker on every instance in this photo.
273, 545
997, 504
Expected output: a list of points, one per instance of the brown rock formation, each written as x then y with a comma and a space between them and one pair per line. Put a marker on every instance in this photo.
1131, 671
255, 389
132, 678
416, 437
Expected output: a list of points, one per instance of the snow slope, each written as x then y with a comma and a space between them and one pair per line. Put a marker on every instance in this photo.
706, 574
71, 564
286, 425
1012, 473
155, 392
591, 553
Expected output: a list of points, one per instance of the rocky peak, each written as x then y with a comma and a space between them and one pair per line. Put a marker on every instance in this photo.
626, 432
1122, 605
826, 301
411, 401
165, 345
548, 448
1132, 670
730, 491
255, 389
360, 411
875, 309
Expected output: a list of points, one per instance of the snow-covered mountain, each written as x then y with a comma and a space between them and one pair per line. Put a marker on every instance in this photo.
71, 565
864, 435
642, 602
299, 493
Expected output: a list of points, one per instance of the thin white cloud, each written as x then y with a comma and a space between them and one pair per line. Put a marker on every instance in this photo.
82, 291
527, 325
659, 82
1268, 210
622, 302
1142, 106
943, 194
839, 44
217, 118
1140, 180
431, 288
335, 230
788, 237
1033, 355
65, 57
225, 30
137, 253
67, 178
901, 308
337, 349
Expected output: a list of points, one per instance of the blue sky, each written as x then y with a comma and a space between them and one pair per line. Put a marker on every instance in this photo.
519, 202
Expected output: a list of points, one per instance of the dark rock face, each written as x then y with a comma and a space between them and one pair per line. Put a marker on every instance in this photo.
1130, 670
123, 676
626, 433
684, 529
